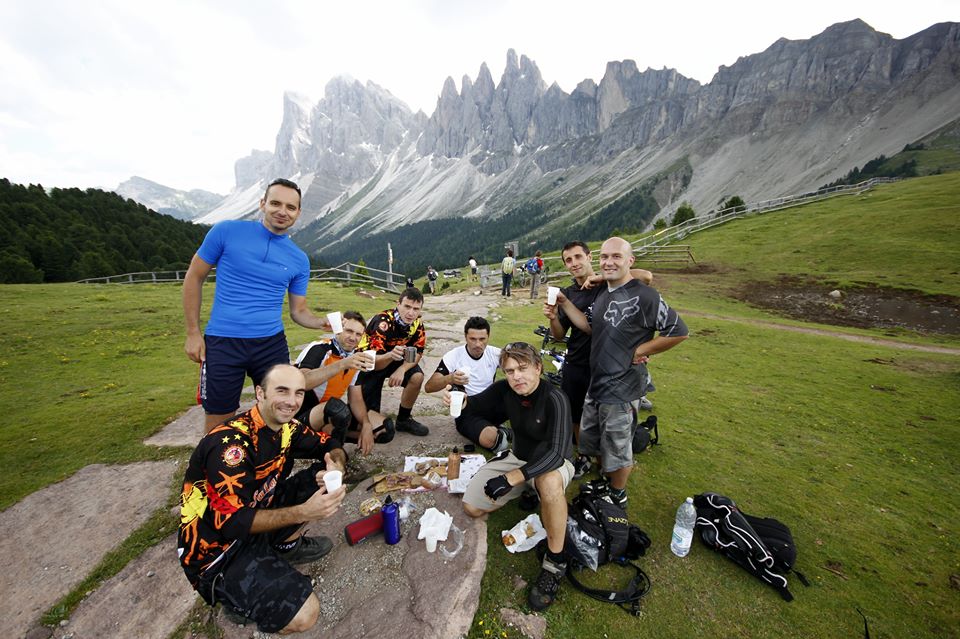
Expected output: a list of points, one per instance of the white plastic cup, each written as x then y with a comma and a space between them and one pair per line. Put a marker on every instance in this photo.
333, 479
431, 543
465, 371
552, 294
456, 403
336, 322
372, 357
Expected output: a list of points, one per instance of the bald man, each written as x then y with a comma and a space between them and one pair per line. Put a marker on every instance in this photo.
626, 316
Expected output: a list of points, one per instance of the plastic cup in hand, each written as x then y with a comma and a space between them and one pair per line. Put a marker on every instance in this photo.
336, 322
552, 294
431, 543
466, 373
456, 403
372, 357
332, 479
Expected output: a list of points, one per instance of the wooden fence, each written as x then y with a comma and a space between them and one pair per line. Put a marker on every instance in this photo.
657, 248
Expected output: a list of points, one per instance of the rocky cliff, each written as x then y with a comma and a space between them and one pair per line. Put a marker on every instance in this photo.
777, 122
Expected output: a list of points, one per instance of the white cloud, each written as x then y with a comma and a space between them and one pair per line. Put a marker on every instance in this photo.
177, 91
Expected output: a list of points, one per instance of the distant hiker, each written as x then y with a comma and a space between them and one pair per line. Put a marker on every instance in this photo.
257, 264
506, 269
539, 414
471, 368
399, 337
432, 276
409, 282
331, 368
582, 291
242, 514
534, 267
626, 314
473, 268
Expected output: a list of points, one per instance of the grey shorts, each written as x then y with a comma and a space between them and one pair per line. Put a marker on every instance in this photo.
500, 465
607, 430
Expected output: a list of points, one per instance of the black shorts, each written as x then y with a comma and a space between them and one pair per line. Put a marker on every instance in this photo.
261, 586
230, 360
372, 383
575, 383
253, 579
470, 426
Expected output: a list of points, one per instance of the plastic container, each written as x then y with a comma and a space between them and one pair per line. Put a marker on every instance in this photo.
453, 464
391, 521
683, 528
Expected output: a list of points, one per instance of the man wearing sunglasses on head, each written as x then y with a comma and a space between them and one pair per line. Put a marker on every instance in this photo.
257, 265
539, 414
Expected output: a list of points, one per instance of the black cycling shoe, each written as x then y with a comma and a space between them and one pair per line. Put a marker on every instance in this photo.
529, 500
233, 616
412, 426
385, 433
544, 591
581, 466
308, 549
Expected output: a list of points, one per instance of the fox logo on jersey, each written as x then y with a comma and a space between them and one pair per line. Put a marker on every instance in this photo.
618, 311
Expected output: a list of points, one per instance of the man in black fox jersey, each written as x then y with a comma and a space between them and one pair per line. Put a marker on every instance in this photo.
626, 317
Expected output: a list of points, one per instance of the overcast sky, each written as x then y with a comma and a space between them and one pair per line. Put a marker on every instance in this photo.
176, 91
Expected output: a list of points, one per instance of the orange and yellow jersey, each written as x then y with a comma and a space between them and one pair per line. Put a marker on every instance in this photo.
386, 330
235, 469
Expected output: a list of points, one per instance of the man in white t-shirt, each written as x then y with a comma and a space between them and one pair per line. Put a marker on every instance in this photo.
471, 368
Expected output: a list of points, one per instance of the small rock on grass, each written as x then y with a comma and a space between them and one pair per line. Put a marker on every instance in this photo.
532, 626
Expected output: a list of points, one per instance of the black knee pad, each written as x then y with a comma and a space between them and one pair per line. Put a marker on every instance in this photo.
337, 413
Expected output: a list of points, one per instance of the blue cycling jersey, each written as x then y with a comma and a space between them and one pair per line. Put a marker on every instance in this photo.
255, 269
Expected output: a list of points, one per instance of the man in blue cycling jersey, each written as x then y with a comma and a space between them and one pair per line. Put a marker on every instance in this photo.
257, 264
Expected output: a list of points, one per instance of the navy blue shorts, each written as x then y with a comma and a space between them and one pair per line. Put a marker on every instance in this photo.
229, 361
372, 383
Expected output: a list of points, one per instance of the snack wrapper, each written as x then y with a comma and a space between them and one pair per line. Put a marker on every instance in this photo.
525, 535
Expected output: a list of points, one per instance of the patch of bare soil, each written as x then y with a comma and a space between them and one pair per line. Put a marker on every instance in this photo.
868, 306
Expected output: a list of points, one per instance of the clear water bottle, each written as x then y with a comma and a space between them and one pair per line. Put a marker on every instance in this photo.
683, 529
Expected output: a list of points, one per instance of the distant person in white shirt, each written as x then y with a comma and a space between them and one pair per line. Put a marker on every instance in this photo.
472, 262
471, 368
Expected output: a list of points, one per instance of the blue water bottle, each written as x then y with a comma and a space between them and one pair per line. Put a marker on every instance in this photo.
391, 521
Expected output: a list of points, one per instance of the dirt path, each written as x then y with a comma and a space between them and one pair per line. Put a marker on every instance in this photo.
54, 538
866, 339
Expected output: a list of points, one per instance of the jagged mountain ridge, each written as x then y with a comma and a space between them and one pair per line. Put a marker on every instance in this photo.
778, 122
183, 205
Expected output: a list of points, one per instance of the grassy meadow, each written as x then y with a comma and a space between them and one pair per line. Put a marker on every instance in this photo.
853, 445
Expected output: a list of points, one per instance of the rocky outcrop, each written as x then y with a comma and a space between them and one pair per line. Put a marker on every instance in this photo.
184, 205
833, 101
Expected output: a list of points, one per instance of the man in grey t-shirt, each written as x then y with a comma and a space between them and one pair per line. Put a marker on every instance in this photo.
626, 317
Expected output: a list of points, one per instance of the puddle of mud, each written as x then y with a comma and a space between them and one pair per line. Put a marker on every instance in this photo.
862, 307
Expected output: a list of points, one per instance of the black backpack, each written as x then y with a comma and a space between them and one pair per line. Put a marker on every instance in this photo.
762, 546
602, 524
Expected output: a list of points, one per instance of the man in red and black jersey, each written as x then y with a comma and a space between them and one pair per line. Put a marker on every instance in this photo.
390, 333
242, 514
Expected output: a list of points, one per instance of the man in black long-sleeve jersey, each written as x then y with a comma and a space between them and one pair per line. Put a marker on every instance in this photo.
542, 433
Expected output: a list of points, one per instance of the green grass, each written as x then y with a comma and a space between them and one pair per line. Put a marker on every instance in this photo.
904, 235
89, 371
852, 445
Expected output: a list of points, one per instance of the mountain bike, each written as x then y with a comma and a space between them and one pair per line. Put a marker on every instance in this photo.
557, 357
